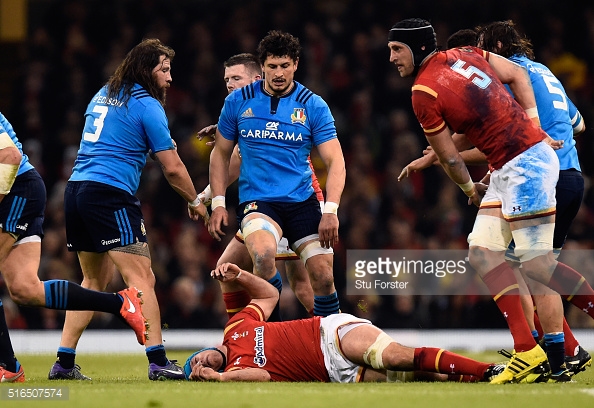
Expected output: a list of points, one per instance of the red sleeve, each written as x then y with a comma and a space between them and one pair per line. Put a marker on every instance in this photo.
314, 182
425, 106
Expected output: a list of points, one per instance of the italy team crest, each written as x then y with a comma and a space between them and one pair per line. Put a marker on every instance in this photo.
250, 207
298, 115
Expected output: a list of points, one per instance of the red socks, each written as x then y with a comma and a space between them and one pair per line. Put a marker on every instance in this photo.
504, 288
573, 287
441, 361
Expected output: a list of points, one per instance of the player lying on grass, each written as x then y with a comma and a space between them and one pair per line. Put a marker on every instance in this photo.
337, 348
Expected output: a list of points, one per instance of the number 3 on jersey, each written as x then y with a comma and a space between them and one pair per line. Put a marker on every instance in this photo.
98, 123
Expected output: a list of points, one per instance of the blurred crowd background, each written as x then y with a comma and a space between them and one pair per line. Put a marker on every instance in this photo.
71, 48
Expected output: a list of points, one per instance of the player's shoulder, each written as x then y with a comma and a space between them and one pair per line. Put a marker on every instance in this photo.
250, 91
143, 98
305, 96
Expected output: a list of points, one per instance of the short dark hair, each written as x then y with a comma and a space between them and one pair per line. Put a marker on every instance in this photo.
278, 44
462, 38
249, 60
512, 42
137, 68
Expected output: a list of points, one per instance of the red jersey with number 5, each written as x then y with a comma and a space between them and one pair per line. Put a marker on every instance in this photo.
289, 350
458, 88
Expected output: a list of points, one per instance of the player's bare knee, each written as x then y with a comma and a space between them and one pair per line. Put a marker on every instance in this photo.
540, 268
264, 264
24, 293
396, 357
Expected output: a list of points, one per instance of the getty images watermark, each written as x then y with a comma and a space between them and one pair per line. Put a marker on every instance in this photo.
430, 272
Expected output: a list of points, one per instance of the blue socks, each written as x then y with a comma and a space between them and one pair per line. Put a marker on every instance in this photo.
66, 357
326, 305
64, 295
277, 282
156, 355
555, 348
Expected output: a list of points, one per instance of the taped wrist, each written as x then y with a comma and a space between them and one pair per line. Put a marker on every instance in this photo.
468, 187
330, 208
218, 201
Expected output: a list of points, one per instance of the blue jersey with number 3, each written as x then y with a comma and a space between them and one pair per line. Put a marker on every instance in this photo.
117, 137
555, 109
6, 127
275, 137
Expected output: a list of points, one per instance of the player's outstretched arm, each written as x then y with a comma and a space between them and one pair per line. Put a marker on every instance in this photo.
208, 131
452, 163
201, 373
178, 178
262, 293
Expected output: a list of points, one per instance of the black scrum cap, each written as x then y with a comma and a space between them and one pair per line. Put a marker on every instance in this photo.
415, 33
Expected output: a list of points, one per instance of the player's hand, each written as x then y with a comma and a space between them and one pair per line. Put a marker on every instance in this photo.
218, 219
202, 373
197, 212
328, 230
226, 272
555, 144
206, 196
208, 131
479, 193
418, 164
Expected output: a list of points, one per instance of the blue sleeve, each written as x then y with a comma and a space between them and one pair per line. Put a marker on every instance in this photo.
574, 114
156, 127
323, 127
228, 121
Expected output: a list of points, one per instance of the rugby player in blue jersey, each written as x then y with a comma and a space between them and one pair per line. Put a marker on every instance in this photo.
22, 207
241, 70
276, 122
124, 121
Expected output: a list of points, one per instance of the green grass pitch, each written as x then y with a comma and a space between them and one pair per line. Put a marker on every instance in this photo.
121, 381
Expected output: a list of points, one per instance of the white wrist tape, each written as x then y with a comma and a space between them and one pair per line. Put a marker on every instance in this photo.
468, 188
532, 112
330, 208
218, 201
195, 203
206, 195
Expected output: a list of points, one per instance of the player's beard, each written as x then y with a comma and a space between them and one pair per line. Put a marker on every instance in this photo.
163, 96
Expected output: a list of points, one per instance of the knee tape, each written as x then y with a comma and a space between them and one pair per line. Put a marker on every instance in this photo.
257, 224
8, 173
6, 141
532, 242
137, 248
373, 355
312, 249
490, 232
